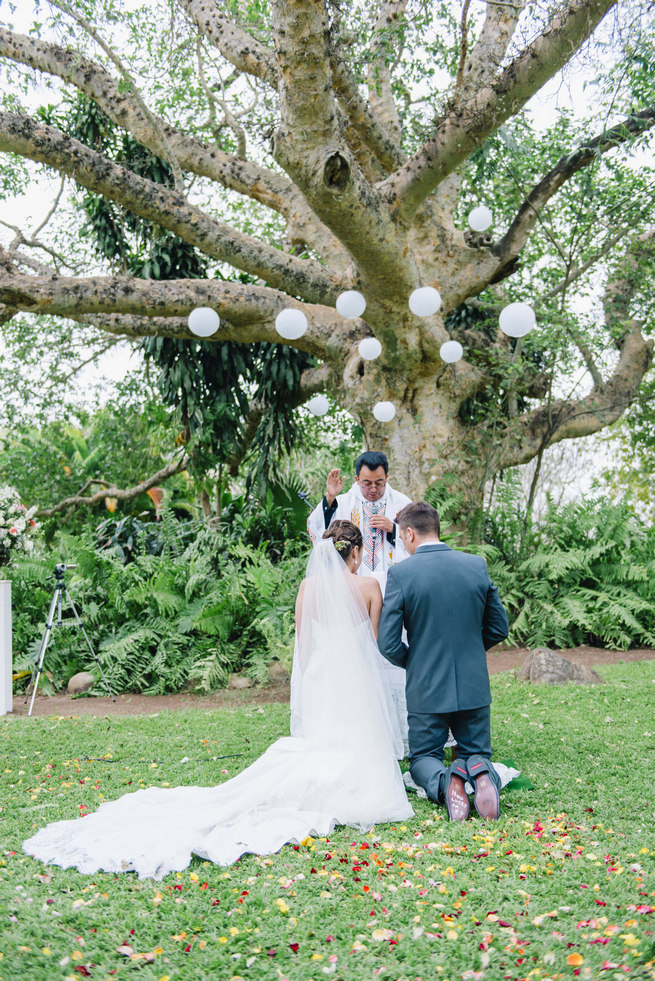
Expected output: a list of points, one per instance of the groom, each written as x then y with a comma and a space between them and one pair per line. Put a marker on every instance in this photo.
452, 614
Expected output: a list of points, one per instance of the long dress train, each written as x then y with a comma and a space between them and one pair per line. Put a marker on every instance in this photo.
343, 769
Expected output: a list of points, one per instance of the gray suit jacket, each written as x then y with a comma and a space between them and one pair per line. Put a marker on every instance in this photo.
452, 613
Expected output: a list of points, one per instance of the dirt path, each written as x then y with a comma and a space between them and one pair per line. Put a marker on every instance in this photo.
498, 660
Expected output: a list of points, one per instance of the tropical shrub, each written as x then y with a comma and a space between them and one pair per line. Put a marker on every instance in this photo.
584, 575
186, 616
274, 518
135, 533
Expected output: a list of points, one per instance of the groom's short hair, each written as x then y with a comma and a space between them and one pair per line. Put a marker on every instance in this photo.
372, 460
422, 517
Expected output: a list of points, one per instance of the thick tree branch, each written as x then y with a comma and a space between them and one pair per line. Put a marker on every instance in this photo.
122, 494
489, 49
570, 418
466, 127
383, 51
116, 304
236, 45
19, 134
463, 45
305, 82
259, 183
361, 120
519, 231
65, 296
309, 146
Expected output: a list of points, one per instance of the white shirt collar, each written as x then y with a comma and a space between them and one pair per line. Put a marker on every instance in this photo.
423, 544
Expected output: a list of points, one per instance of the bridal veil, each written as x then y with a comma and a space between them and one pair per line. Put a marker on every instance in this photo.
342, 770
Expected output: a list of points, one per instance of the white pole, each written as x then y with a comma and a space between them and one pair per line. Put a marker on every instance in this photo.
6, 703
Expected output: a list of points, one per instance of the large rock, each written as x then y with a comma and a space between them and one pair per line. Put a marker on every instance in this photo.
80, 682
543, 666
277, 671
240, 681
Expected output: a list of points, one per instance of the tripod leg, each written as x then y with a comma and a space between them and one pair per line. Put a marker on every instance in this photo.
93, 653
38, 663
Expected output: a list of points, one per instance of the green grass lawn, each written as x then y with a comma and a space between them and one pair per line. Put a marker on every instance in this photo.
563, 885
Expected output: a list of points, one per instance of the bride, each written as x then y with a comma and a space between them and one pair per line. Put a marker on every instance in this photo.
341, 770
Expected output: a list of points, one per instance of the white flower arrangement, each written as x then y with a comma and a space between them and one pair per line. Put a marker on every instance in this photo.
17, 524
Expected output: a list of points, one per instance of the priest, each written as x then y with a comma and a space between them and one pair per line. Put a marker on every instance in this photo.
372, 504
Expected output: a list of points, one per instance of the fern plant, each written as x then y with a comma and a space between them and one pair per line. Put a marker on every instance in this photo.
584, 575
160, 621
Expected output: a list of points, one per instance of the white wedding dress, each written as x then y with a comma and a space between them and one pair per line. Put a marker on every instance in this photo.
342, 770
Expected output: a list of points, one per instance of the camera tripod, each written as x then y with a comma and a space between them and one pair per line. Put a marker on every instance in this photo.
60, 590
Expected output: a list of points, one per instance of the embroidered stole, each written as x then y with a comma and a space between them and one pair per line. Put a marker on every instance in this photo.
373, 537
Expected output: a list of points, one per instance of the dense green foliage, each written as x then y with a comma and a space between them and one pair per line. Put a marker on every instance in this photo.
121, 443
584, 575
164, 614
632, 447
174, 603
562, 883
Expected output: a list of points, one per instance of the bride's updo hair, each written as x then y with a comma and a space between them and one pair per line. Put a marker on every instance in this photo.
345, 535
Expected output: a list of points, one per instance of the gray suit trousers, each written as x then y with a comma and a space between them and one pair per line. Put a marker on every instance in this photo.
428, 732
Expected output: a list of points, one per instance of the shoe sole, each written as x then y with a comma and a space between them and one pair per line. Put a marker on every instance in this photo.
486, 799
460, 801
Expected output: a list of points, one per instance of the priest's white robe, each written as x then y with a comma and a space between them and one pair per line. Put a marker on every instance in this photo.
349, 507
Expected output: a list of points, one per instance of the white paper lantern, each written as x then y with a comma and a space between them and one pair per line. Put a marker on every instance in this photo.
351, 304
451, 351
424, 301
480, 218
384, 411
370, 348
203, 321
517, 319
291, 324
319, 405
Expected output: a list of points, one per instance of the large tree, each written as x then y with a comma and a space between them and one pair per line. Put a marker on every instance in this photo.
348, 142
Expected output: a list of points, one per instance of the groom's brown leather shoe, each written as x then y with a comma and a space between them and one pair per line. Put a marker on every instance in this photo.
486, 798
457, 802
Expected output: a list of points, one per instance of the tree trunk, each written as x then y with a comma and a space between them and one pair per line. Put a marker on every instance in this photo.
427, 443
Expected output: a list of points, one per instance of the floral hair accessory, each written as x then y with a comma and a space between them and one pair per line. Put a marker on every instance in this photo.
341, 546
